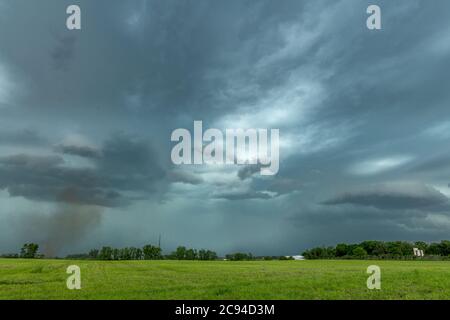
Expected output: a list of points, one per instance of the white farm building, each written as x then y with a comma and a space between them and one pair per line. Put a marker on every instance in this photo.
296, 257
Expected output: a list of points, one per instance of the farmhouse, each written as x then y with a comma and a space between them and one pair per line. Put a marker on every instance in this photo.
296, 257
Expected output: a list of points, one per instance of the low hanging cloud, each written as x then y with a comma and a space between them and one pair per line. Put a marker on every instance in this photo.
78, 150
185, 177
63, 53
25, 137
242, 195
249, 170
395, 196
26, 161
126, 166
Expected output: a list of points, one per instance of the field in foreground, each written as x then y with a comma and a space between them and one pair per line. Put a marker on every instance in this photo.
46, 279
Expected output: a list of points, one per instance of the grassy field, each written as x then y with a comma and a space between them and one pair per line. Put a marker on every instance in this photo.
46, 279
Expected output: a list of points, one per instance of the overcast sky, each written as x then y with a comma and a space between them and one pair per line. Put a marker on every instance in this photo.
86, 118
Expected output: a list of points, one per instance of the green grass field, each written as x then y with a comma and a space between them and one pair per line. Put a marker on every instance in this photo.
46, 279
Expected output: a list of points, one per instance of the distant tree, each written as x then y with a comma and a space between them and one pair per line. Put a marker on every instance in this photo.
93, 254
445, 248
330, 252
115, 254
421, 245
394, 248
206, 255
135, 253
308, 255
191, 254
359, 252
320, 253
406, 248
180, 253
125, 254
342, 249
371, 246
9, 256
211, 255
138, 255
78, 256
434, 249
202, 254
106, 253
239, 256
29, 250
151, 252
380, 249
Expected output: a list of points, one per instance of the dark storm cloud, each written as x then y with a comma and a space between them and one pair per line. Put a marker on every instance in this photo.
33, 162
64, 51
78, 150
181, 57
131, 164
173, 56
247, 171
440, 163
89, 196
127, 165
43, 178
25, 137
396, 196
242, 195
181, 44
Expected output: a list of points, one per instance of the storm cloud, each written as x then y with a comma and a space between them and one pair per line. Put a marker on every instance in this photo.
126, 166
396, 196
86, 118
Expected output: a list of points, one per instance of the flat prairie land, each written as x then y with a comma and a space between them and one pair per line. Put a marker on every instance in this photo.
221, 280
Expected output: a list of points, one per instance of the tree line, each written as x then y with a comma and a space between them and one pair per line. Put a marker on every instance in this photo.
147, 252
371, 249
28, 251
380, 250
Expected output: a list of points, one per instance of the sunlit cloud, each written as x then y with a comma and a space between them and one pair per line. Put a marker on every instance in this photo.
440, 130
380, 165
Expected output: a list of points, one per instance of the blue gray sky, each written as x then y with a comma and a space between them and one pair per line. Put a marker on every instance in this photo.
86, 118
